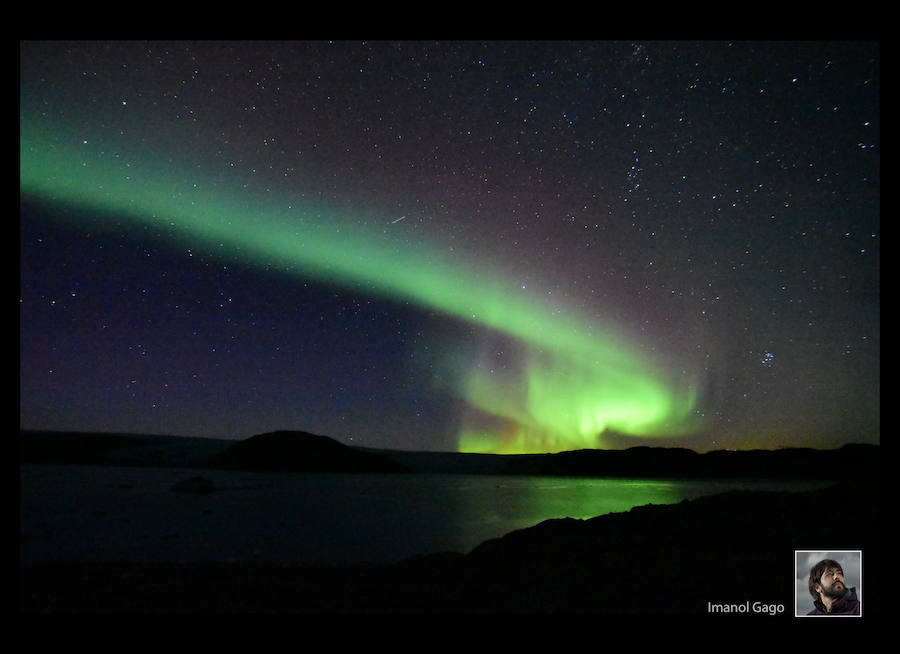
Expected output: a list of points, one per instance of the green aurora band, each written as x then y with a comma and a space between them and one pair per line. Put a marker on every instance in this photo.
577, 380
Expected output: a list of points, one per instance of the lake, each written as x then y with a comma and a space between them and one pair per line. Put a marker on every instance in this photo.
92, 513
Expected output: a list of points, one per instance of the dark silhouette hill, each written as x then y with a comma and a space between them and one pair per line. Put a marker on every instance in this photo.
642, 461
788, 463
297, 451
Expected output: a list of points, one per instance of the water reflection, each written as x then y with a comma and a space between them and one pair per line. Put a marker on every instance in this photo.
105, 513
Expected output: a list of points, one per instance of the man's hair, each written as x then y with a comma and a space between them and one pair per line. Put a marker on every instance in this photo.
816, 572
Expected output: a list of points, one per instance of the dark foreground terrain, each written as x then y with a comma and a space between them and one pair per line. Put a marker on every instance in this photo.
732, 548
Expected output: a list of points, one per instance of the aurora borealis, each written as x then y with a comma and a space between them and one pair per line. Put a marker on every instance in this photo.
588, 383
220, 239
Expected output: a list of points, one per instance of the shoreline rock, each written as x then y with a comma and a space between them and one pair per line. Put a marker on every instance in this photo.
654, 559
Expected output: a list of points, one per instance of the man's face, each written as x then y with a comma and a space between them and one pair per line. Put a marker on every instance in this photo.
832, 583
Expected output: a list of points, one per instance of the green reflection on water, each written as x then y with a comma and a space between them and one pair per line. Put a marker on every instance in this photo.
507, 503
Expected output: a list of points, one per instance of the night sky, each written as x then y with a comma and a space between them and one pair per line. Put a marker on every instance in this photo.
483, 246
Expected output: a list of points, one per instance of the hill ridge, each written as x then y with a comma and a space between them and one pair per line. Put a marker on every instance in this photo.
301, 451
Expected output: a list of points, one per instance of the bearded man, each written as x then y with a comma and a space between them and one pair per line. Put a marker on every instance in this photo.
829, 592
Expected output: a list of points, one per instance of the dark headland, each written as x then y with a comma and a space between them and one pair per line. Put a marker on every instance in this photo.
298, 451
728, 548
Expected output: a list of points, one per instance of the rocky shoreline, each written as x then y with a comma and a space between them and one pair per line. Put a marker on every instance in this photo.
732, 548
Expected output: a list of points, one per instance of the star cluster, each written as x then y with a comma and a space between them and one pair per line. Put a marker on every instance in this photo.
710, 207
